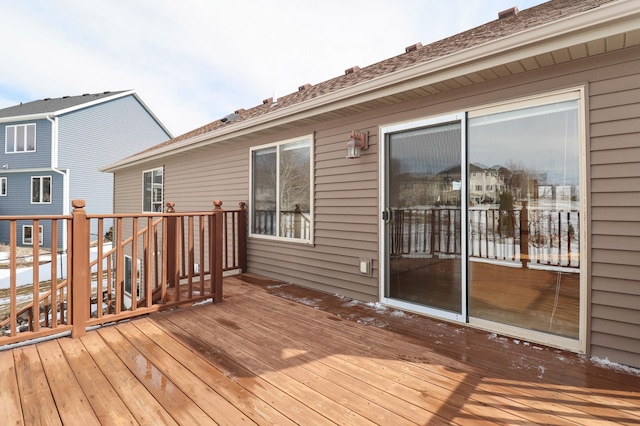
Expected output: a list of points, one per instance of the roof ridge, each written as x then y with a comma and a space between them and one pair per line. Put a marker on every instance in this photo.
415, 54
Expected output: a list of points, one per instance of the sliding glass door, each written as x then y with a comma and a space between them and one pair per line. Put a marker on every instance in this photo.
482, 215
423, 217
524, 215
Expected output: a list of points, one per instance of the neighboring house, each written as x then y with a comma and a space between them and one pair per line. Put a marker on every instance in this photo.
51, 150
548, 97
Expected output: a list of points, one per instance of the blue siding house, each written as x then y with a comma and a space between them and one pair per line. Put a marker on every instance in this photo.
51, 151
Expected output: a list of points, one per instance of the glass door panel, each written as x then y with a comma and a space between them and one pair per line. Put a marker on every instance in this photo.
424, 217
524, 218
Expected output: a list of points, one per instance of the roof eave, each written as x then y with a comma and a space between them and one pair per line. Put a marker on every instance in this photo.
594, 24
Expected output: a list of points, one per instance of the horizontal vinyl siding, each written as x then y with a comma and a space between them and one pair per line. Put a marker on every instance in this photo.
40, 158
615, 220
347, 210
97, 136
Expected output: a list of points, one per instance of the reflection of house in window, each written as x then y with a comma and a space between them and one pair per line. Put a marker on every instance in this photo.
485, 184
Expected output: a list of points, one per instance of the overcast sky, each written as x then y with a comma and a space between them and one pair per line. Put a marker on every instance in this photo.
195, 61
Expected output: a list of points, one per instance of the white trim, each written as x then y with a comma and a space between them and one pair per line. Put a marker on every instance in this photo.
569, 94
40, 235
606, 20
45, 115
383, 131
4, 186
155, 169
54, 140
311, 138
518, 333
41, 190
15, 138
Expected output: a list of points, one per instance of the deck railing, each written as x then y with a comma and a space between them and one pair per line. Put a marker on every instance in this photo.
528, 236
147, 262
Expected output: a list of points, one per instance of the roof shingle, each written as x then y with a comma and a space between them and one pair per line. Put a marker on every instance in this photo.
53, 104
526, 19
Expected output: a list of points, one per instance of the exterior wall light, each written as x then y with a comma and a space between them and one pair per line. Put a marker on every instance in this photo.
357, 142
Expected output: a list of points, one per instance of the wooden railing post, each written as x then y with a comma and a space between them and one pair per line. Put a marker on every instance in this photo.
524, 234
172, 247
80, 274
217, 230
242, 237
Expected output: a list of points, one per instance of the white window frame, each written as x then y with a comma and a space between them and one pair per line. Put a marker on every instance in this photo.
3, 186
25, 141
29, 241
150, 193
277, 145
128, 277
41, 195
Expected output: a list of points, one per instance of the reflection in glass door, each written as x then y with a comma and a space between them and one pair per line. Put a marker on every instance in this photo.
524, 216
423, 217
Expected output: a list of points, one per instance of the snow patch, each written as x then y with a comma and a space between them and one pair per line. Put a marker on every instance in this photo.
541, 371
203, 302
605, 363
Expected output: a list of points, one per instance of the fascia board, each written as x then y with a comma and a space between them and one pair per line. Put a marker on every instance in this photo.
153, 115
92, 103
597, 23
43, 115
30, 117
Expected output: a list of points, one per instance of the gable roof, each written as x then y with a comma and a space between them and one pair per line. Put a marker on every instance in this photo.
548, 27
53, 105
49, 107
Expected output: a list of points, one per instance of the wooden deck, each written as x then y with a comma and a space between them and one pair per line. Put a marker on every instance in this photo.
278, 354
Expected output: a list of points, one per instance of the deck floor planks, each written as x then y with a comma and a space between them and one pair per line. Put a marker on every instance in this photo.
201, 339
253, 407
176, 402
10, 405
214, 405
287, 359
452, 402
375, 389
274, 360
568, 377
71, 402
593, 407
104, 400
256, 364
38, 405
140, 402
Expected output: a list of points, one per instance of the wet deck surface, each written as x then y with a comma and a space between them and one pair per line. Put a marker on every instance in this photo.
277, 353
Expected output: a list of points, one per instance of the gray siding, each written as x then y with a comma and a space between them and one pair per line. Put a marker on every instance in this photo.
346, 191
28, 160
97, 136
18, 202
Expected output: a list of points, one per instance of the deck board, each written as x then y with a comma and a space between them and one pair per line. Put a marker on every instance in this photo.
71, 402
278, 354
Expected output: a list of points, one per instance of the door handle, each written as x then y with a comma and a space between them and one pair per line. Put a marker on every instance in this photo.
386, 215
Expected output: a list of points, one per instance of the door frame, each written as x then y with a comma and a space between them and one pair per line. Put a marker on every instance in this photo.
576, 345
383, 131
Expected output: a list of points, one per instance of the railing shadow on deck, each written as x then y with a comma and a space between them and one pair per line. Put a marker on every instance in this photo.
145, 263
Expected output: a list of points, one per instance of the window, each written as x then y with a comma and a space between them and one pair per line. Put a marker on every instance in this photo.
20, 138
281, 195
152, 190
27, 234
40, 189
3, 186
129, 277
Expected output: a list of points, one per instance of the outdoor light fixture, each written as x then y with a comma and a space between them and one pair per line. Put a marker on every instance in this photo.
357, 141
